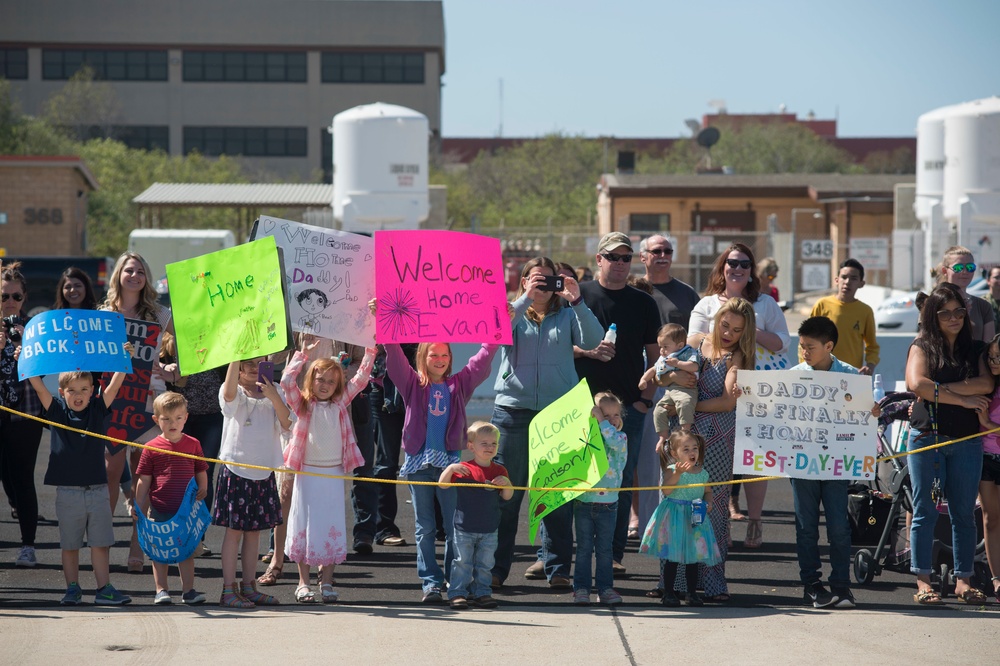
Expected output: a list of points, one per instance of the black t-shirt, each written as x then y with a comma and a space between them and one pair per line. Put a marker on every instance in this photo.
675, 299
75, 459
637, 319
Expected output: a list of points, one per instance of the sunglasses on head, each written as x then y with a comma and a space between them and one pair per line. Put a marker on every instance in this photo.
958, 268
625, 258
16, 297
741, 263
957, 313
660, 251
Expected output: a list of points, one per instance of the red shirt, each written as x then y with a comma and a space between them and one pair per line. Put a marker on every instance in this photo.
171, 474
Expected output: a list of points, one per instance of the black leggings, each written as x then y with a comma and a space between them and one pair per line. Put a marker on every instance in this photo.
19, 442
670, 574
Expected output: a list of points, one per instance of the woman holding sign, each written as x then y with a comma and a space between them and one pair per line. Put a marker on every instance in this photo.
19, 436
732, 276
535, 370
131, 294
946, 371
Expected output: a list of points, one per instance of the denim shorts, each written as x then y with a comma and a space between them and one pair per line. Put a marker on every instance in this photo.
84, 511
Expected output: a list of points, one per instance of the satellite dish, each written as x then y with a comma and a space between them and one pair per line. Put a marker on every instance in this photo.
708, 137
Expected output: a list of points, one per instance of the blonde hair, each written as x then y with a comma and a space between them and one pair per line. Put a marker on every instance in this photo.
481, 428
168, 402
608, 396
747, 344
66, 377
147, 306
952, 251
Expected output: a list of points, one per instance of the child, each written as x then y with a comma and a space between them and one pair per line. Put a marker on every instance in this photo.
433, 430
246, 500
163, 481
675, 354
323, 441
679, 531
477, 518
76, 468
595, 513
854, 320
817, 338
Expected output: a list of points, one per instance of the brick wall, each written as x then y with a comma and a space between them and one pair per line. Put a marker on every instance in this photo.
45, 214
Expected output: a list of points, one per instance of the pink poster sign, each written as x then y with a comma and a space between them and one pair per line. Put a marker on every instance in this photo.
440, 286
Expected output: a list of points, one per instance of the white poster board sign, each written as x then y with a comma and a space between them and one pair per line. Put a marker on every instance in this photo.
330, 276
873, 253
816, 277
805, 425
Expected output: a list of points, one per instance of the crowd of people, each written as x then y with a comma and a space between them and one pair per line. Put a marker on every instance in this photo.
340, 410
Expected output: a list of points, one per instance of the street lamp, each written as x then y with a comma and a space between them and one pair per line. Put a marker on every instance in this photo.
816, 213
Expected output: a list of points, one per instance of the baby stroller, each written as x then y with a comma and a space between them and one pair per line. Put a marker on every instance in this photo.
877, 511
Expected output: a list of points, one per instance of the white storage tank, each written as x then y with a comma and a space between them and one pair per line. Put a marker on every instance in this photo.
972, 151
930, 161
380, 167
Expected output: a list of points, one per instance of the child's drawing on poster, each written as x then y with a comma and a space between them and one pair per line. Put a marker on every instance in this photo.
330, 277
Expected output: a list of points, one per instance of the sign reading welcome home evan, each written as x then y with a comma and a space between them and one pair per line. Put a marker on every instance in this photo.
805, 425
329, 276
174, 540
565, 454
228, 305
130, 414
65, 340
440, 286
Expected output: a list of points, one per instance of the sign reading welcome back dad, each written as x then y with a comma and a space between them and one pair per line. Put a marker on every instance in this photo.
805, 425
440, 286
65, 340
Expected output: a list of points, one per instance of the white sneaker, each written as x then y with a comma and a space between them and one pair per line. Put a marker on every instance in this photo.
26, 558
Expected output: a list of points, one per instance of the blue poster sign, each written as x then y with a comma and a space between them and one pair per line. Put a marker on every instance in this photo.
65, 340
175, 540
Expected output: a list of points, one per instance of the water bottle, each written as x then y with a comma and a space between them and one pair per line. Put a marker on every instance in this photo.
877, 391
612, 334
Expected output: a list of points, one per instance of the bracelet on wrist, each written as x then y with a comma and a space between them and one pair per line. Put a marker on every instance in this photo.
576, 302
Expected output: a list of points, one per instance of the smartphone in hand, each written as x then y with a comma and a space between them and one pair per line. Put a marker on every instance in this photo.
552, 283
265, 369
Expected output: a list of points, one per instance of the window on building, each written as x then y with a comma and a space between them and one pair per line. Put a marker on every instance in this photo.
352, 67
142, 137
246, 141
649, 222
14, 64
245, 66
119, 65
326, 154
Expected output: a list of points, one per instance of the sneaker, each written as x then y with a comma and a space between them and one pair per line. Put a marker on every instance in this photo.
610, 597
193, 597
818, 595
109, 596
581, 597
162, 598
845, 598
73, 596
26, 557
433, 596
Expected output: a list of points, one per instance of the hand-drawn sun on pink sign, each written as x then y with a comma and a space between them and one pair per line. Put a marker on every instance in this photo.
440, 286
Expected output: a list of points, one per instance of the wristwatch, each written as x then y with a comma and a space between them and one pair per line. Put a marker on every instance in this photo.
647, 402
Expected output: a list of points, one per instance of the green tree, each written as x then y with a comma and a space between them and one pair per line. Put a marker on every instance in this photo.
25, 135
84, 104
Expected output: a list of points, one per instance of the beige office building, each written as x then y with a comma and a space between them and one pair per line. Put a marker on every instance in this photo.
258, 78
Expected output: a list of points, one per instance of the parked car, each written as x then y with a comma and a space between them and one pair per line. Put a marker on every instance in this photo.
898, 314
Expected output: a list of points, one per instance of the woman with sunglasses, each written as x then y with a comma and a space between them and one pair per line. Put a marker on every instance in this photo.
959, 268
19, 435
946, 370
732, 276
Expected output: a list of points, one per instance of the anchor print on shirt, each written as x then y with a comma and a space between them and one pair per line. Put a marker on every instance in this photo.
436, 407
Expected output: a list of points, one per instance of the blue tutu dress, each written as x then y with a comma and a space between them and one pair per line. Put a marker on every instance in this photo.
670, 534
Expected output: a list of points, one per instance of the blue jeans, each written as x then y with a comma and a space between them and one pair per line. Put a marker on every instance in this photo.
426, 527
472, 570
556, 531
633, 427
387, 431
364, 494
959, 467
808, 493
595, 525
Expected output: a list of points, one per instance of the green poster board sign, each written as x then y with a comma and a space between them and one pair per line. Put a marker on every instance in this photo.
228, 305
565, 454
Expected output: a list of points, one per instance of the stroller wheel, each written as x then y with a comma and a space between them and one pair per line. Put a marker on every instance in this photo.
864, 566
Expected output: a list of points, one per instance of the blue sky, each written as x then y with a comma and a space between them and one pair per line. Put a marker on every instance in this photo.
640, 67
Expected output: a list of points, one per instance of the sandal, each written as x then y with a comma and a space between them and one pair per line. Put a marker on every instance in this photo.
232, 599
972, 596
928, 598
250, 593
270, 577
329, 594
755, 534
304, 595
655, 593
734, 511
717, 599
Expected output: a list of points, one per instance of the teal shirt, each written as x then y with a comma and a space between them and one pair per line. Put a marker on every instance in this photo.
616, 445
838, 366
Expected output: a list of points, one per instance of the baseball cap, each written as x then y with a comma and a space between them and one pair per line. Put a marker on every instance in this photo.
612, 240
